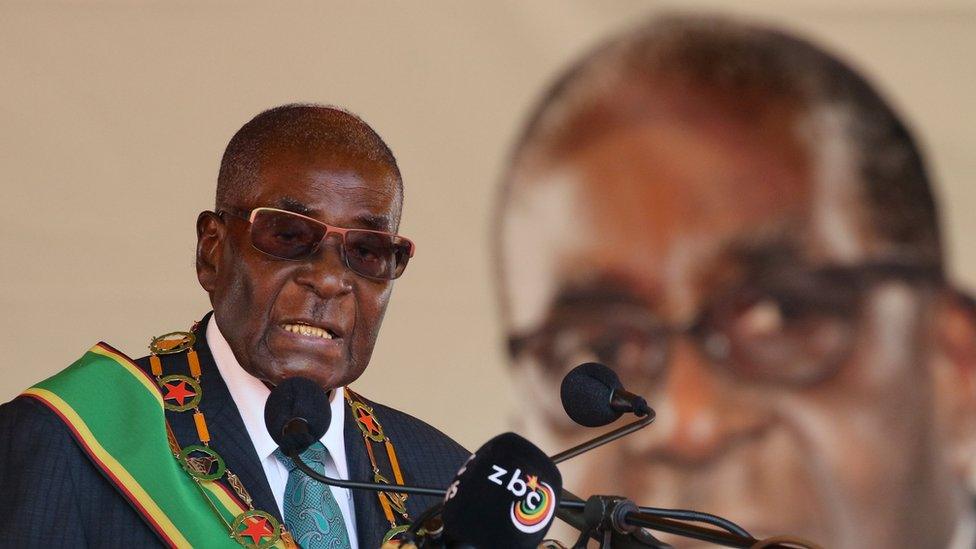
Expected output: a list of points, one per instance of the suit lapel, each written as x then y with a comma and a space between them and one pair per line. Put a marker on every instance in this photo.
227, 431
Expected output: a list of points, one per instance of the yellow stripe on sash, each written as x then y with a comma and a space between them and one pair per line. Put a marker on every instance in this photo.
231, 504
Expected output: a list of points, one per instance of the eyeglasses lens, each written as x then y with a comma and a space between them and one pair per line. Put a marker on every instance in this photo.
285, 236
376, 255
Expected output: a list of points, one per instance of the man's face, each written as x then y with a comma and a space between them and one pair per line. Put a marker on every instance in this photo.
801, 402
258, 300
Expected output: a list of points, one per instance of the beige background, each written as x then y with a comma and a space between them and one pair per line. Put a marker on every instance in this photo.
113, 116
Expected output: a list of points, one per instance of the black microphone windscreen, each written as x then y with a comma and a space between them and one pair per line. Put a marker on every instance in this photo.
296, 400
505, 495
586, 392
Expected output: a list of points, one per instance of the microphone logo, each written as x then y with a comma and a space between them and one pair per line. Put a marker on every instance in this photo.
536, 502
533, 512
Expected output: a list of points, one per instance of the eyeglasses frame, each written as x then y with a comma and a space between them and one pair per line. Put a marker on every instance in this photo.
329, 229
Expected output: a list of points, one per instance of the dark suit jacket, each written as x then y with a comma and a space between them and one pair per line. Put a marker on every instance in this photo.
51, 495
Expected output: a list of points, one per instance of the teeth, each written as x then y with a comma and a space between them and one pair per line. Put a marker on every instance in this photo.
305, 329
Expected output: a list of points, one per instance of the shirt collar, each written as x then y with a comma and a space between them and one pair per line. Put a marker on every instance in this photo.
250, 394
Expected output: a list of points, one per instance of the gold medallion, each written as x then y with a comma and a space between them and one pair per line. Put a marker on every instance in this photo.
256, 529
202, 467
367, 422
173, 342
180, 393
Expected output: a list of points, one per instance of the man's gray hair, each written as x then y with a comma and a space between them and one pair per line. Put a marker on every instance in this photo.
293, 127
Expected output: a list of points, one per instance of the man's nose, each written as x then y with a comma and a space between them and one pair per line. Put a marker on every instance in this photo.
325, 273
699, 414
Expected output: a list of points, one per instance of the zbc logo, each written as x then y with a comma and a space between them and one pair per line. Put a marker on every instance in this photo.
536, 504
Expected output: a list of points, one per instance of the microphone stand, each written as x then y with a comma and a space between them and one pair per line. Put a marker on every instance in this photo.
571, 507
568, 511
610, 518
603, 439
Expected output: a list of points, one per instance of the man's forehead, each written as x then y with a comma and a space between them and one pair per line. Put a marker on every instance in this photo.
333, 188
365, 218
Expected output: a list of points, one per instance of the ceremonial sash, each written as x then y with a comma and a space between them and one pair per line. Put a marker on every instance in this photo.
115, 412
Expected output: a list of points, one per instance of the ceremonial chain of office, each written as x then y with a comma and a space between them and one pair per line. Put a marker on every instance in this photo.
254, 528
393, 504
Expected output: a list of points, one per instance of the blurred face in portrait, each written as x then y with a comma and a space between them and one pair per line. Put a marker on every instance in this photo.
312, 317
716, 253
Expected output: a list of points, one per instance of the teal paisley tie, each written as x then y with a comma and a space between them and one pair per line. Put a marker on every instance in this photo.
312, 514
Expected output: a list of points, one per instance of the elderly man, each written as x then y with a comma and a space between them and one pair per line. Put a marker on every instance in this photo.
743, 229
298, 258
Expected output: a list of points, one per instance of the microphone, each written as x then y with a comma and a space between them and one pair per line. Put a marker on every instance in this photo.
297, 413
505, 495
593, 396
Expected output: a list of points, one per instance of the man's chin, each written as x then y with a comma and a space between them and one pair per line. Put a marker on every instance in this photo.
328, 374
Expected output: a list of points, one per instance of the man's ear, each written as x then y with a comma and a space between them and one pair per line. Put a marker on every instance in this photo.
955, 378
210, 236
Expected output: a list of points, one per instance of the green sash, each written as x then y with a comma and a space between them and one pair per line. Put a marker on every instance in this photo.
115, 412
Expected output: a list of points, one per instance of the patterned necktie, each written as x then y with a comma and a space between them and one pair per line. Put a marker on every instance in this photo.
312, 514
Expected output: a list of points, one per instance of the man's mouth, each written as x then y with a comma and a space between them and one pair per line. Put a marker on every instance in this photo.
309, 330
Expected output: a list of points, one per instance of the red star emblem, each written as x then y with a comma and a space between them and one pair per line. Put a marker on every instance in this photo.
367, 420
178, 392
257, 529
533, 483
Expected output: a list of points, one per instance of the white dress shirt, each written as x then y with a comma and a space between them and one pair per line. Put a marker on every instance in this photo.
249, 395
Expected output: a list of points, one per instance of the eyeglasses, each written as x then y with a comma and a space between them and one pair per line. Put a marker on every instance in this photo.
793, 328
295, 237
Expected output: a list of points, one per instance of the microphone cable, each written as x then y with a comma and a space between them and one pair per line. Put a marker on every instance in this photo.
697, 516
676, 514
785, 540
